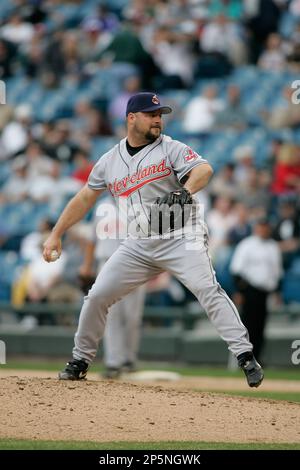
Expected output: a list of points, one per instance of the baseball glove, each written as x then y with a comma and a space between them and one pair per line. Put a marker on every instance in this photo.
85, 283
170, 212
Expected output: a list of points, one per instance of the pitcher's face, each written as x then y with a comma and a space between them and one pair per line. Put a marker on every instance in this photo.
147, 125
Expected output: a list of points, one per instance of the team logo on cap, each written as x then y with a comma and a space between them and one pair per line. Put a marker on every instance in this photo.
155, 100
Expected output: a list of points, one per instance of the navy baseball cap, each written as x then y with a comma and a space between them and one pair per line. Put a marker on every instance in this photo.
146, 102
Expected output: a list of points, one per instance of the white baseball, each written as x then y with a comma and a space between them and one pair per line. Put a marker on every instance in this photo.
54, 255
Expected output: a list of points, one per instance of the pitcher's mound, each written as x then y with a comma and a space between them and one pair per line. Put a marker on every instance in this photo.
107, 411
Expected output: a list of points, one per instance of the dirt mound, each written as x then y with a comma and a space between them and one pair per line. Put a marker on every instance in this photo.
45, 408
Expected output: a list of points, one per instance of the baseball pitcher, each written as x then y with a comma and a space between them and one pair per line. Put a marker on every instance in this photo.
152, 178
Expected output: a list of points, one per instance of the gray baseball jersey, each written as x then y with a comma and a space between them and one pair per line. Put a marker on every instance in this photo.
154, 171
137, 181
105, 214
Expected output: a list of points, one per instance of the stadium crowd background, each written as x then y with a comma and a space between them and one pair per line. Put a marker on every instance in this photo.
69, 67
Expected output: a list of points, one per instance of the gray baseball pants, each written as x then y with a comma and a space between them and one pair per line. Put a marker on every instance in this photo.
138, 260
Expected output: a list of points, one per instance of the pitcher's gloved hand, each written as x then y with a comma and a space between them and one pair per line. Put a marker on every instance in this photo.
180, 196
170, 212
85, 282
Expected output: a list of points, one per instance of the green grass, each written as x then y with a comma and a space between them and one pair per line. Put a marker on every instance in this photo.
186, 370
12, 444
275, 374
50, 366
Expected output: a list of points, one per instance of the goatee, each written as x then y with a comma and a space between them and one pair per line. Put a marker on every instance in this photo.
151, 137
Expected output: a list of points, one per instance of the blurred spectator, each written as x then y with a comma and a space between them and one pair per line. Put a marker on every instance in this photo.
261, 18
42, 188
89, 121
53, 63
243, 156
31, 56
16, 30
95, 40
58, 141
127, 47
204, 202
223, 183
284, 114
80, 119
39, 164
53, 188
242, 228
72, 59
6, 57
256, 266
200, 113
254, 190
286, 176
37, 279
14, 136
275, 148
108, 20
220, 220
42, 279
224, 38
287, 231
98, 123
117, 107
16, 188
41, 282
83, 166
233, 115
273, 57
30, 248
172, 53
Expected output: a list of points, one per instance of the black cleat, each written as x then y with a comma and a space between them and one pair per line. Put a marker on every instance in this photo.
74, 370
252, 370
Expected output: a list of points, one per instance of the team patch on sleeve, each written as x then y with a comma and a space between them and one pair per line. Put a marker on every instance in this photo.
190, 155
